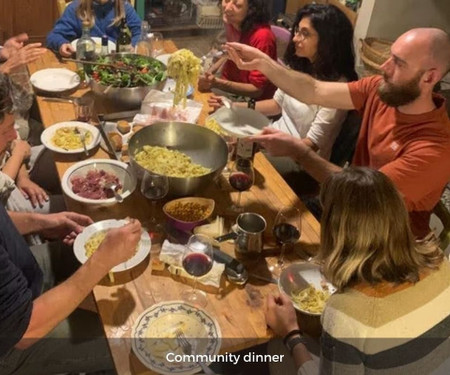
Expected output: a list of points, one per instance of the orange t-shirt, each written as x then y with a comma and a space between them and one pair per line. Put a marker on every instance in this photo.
412, 150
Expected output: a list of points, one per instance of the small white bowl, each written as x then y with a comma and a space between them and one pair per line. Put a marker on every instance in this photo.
122, 170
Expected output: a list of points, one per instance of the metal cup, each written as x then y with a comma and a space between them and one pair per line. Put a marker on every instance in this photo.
250, 228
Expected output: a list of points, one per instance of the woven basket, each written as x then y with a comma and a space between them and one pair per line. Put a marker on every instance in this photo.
370, 67
209, 17
376, 50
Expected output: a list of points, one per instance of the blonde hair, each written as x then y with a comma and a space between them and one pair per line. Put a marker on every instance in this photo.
85, 12
365, 232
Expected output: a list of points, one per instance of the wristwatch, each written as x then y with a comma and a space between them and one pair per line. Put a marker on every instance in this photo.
292, 342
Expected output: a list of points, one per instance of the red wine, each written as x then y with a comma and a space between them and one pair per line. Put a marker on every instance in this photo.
83, 118
240, 181
286, 233
197, 264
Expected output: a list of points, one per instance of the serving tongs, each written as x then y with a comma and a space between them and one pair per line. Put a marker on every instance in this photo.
113, 66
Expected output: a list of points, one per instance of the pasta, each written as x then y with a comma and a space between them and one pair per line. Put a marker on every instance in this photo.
68, 138
184, 67
213, 125
167, 162
310, 299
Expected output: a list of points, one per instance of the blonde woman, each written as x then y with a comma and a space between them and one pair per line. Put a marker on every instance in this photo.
391, 313
104, 17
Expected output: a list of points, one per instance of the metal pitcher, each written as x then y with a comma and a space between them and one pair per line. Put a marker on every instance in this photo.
250, 228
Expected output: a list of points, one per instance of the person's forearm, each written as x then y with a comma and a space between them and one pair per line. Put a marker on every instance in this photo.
268, 107
310, 144
237, 88
13, 165
23, 173
55, 305
27, 222
319, 168
300, 354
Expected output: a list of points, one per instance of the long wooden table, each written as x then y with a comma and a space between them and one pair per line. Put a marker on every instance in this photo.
238, 310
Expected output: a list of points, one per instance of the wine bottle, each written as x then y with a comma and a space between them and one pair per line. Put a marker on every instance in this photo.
123, 42
244, 149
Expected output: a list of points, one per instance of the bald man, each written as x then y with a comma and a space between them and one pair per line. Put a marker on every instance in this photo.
405, 131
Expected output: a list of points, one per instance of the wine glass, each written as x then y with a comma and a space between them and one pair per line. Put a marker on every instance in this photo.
286, 229
241, 178
197, 261
84, 109
157, 40
231, 145
154, 187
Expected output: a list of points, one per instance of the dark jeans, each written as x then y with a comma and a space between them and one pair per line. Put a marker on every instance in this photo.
77, 344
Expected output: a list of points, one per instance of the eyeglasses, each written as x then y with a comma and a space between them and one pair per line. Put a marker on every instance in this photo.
302, 33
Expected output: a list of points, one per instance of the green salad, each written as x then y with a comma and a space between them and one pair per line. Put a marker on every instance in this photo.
142, 71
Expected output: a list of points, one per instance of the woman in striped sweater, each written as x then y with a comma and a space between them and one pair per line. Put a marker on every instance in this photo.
391, 313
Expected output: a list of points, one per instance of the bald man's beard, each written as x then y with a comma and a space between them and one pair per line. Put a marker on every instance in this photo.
398, 95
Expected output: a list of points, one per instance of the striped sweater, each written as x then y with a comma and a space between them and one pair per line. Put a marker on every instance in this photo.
389, 329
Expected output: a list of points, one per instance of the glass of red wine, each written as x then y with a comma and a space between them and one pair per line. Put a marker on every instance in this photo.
231, 145
241, 178
197, 261
286, 230
154, 187
84, 109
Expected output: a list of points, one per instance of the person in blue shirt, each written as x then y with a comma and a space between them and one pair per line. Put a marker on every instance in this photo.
103, 15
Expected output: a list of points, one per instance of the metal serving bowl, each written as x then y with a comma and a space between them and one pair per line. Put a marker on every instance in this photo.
126, 97
202, 145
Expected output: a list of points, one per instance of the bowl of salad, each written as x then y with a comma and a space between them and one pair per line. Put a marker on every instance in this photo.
127, 79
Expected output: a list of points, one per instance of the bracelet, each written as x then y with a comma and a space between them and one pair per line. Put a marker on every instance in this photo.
290, 334
294, 341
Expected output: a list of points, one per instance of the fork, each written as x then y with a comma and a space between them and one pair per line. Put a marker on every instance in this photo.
186, 347
82, 139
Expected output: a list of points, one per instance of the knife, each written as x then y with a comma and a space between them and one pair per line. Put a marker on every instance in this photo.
101, 128
120, 115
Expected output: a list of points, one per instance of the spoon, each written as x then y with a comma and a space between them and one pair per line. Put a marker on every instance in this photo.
113, 186
227, 103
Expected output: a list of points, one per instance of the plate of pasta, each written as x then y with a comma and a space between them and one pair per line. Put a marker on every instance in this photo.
307, 288
154, 336
65, 137
88, 241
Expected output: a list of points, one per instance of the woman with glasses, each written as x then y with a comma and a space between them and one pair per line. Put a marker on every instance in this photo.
322, 46
103, 16
391, 311
246, 21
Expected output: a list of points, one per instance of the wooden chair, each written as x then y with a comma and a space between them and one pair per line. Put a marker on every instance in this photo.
62, 4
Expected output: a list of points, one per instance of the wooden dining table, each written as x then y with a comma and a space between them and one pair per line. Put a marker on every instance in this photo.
239, 310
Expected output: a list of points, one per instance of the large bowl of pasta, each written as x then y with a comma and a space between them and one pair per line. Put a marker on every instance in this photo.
192, 156
127, 85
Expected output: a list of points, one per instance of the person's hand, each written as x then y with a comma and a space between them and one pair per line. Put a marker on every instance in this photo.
12, 44
278, 143
32, 191
246, 57
21, 56
280, 314
66, 50
120, 244
216, 102
206, 82
21, 148
63, 225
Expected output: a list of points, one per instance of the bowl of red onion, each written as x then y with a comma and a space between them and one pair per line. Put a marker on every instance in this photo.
93, 181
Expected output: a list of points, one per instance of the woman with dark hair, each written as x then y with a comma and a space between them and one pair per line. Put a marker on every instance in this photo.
321, 45
246, 21
391, 311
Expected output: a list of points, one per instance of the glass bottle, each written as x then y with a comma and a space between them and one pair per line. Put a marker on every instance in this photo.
123, 42
246, 150
86, 45
144, 45
105, 48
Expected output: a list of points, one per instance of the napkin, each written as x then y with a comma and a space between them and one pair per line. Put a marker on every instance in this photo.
172, 254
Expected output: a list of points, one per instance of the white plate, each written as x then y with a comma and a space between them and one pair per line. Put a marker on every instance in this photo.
142, 251
164, 58
55, 80
98, 45
47, 135
240, 122
299, 276
153, 335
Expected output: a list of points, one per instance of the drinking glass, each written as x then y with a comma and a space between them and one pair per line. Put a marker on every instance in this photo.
154, 187
286, 229
157, 40
197, 261
231, 144
84, 109
241, 178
